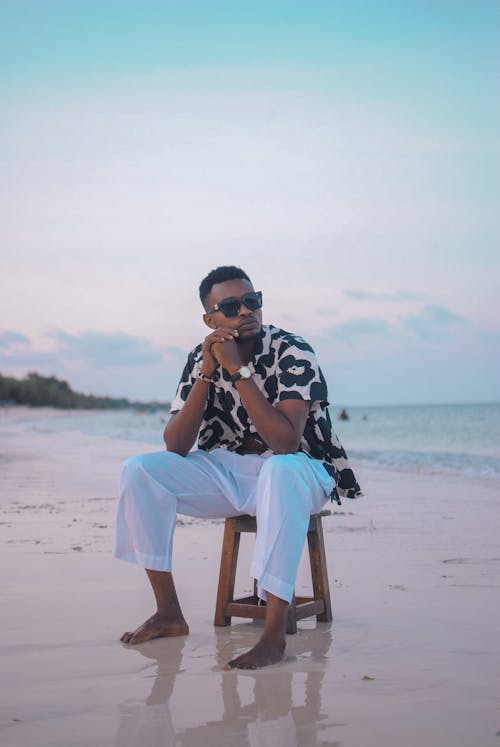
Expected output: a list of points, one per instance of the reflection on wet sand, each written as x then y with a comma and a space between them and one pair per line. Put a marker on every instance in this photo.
278, 705
149, 724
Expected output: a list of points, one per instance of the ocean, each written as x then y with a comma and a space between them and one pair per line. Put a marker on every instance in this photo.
457, 439
453, 439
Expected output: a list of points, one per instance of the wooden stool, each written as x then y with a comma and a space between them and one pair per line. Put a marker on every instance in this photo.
252, 607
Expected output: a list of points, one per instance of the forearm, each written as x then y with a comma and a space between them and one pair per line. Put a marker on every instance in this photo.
182, 429
271, 424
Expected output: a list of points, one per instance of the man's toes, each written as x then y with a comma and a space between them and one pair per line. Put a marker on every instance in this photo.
245, 665
240, 663
126, 637
141, 635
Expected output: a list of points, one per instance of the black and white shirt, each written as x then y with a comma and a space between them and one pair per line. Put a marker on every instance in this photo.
284, 367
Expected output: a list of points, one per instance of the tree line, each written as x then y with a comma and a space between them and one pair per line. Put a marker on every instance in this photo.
36, 390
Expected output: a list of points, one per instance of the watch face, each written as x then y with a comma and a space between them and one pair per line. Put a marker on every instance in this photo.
245, 372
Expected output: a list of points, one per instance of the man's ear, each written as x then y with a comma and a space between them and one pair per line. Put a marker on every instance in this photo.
209, 321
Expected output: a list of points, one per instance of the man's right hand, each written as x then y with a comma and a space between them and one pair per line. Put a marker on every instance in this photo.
219, 335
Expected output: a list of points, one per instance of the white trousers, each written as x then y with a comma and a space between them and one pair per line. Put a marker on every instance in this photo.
280, 490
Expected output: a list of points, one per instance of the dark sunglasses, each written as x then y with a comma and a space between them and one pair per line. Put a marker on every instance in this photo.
231, 306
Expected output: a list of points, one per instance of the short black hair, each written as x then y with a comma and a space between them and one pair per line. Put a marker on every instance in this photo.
220, 275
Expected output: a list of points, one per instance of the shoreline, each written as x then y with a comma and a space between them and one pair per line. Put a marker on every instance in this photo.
480, 460
412, 656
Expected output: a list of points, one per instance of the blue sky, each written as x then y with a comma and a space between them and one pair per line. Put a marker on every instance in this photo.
345, 154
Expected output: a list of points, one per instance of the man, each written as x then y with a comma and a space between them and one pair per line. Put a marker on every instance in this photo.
255, 398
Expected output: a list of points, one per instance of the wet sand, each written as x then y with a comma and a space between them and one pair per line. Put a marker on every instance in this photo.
412, 657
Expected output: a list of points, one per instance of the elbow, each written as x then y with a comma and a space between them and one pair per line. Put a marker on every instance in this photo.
176, 448
286, 438
180, 452
286, 446
284, 450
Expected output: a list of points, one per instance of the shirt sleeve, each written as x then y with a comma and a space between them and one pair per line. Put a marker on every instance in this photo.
188, 377
299, 375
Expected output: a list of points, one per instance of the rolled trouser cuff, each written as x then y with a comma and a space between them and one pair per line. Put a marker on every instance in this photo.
276, 586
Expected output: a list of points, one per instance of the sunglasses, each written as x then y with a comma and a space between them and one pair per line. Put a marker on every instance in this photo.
231, 306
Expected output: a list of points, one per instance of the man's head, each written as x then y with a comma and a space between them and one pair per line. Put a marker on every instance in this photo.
229, 299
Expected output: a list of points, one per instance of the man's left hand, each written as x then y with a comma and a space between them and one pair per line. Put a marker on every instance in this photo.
227, 354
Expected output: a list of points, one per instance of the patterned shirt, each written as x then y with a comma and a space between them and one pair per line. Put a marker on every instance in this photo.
284, 367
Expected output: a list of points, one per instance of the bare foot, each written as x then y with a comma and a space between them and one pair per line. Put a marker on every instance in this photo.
156, 627
266, 651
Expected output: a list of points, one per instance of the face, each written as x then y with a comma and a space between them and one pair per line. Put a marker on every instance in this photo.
247, 322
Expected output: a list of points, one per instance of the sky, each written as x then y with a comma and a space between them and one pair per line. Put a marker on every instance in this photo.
346, 155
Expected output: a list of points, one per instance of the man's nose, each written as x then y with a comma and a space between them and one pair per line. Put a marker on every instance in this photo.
243, 310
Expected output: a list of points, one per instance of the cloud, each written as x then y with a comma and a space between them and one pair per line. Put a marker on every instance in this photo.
118, 364
17, 350
9, 338
433, 322
29, 359
108, 349
91, 347
361, 295
353, 329
325, 310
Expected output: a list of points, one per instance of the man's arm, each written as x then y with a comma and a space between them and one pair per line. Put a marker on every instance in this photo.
182, 429
280, 426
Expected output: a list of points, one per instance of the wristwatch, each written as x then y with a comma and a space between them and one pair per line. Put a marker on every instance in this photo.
242, 373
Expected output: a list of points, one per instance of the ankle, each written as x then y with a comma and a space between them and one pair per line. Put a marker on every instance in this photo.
274, 637
170, 615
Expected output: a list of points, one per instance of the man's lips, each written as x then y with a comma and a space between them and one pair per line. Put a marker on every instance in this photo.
247, 323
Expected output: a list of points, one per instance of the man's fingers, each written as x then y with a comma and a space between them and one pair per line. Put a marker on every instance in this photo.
226, 331
222, 336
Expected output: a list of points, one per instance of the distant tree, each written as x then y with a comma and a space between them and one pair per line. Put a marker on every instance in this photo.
36, 390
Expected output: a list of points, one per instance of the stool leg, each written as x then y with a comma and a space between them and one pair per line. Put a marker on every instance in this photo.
319, 571
227, 575
291, 621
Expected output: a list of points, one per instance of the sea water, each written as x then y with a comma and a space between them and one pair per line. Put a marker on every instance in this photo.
455, 439
459, 439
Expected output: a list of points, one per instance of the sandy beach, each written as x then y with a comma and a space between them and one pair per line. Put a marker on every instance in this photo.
412, 657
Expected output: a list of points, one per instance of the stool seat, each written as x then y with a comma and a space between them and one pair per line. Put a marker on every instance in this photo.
253, 608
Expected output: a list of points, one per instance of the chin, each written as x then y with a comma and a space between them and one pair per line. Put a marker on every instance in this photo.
247, 337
